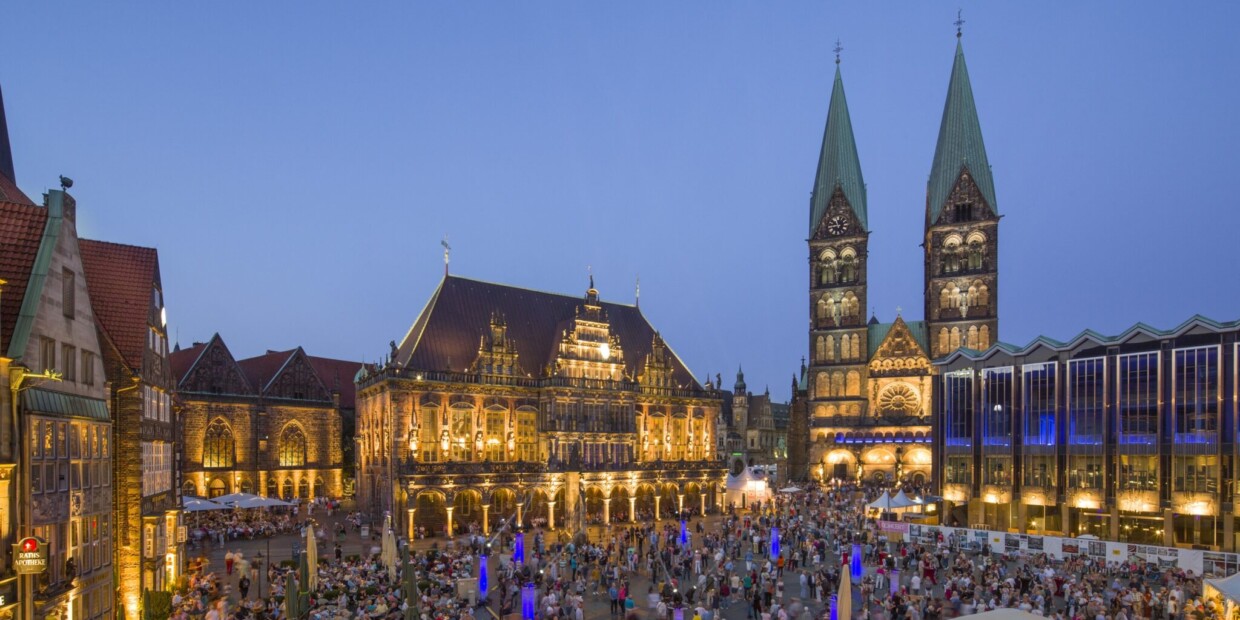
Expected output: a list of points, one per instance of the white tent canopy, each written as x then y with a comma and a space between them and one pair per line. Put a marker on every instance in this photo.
902, 501
1005, 613
793, 489
260, 502
884, 502
232, 498
1228, 587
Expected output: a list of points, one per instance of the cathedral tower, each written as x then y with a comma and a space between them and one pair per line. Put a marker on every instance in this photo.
962, 229
838, 236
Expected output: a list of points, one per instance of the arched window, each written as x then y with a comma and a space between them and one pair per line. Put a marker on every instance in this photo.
983, 295
830, 348
983, 342
972, 342
303, 489
292, 447
287, 491
945, 298
820, 349
273, 489
944, 343
955, 341
837, 383
217, 446
189, 488
854, 383
824, 385
856, 347
823, 308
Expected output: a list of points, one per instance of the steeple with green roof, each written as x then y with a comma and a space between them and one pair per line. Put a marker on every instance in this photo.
838, 164
960, 145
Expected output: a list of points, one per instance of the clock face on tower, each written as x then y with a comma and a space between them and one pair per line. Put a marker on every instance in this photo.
837, 225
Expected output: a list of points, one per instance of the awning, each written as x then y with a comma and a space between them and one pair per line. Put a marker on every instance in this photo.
1228, 587
39, 400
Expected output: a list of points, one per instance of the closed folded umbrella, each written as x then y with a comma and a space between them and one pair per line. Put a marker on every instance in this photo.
844, 600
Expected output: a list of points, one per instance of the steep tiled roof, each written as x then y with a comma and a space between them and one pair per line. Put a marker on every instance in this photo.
337, 375
838, 163
262, 368
21, 230
960, 145
446, 335
181, 361
120, 279
877, 333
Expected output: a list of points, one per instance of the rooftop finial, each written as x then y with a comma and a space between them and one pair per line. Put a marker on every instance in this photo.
447, 251
590, 271
838, 48
638, 293
959, 21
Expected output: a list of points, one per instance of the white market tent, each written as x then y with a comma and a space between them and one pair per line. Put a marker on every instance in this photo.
260, 502
884, 502
902, 501
233, 498
793, 489
1227, 587
747, 487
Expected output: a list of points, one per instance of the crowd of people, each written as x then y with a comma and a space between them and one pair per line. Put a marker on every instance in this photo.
781, 559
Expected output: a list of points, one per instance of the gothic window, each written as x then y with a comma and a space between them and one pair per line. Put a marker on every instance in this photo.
824, 385
837, 383
854, 383
217, 445
292, 447
848, 269
976, 253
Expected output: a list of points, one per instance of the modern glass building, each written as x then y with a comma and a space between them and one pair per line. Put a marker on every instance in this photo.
1132, 437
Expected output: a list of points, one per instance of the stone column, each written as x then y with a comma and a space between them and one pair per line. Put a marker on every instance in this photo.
410, 512
633, 509
1114, 529
450, 509
606, 511
702, 496
551, 515
656, 507
518, 513
486, 524
1168, 528
680, 504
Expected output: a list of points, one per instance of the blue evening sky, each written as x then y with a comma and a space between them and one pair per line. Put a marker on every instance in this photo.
297, 164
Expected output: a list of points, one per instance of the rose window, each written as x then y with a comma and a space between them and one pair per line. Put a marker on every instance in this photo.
899, 399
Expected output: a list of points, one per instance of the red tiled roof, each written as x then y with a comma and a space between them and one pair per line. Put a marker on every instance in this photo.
260, 369
120, 279
446, 335
11, 193
21, 230
182, 360
337, 375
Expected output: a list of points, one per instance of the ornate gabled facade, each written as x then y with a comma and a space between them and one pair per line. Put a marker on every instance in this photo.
504, 402
269, 425
867, 389
127, 296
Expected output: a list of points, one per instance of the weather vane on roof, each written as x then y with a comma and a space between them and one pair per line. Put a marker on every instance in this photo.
838, 48
959, 21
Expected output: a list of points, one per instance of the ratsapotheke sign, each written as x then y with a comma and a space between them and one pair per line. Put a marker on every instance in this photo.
30, 556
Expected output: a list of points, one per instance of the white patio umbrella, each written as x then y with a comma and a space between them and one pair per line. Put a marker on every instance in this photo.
792, 489
198, 504
387, 553
312, 559
260, 502
232, 498
843, 602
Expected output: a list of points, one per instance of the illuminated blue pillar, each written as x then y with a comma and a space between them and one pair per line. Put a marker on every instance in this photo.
857, 569
518, 549
529, 602
895, 580
835, 607
684, 534
482, 577
774, 542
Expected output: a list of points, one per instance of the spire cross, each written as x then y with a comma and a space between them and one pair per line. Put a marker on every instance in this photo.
898, 309
838, 48
959, 21
447, 251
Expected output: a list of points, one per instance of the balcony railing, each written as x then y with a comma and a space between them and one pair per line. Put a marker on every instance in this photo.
533, 383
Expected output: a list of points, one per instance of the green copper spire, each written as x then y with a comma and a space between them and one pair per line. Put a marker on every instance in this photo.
960, 144
838, 164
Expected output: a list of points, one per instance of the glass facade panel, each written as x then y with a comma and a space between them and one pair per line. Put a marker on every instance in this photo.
958, 409
959, 470
997, 386
1137, 384
1196, 396
1040, 424
1086, 425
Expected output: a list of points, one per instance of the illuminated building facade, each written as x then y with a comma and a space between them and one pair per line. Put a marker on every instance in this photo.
269, 425
759, 429
55, 438
507, 402
1132, 437
127, 297
867, 391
